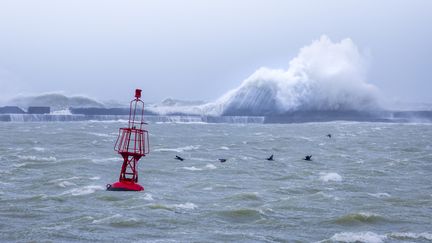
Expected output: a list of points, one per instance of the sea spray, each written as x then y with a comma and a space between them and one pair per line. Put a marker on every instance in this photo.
325, 75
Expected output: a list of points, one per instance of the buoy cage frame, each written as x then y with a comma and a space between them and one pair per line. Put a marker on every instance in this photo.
132, 143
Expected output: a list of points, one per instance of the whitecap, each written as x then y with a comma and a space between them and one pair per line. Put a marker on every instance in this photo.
332, 176
94, 178
100, 134
56, 227
39, 149
148, 197
178, 150
187, 205
224, 148
37, 158
64, 179
109, 121
192, 168
83, 190
66, 184
409, 235
107, 219
379, 195
365, 237
211, 166
19, 165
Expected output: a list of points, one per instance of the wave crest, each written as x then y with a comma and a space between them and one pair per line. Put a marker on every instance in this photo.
359, 218
324, 76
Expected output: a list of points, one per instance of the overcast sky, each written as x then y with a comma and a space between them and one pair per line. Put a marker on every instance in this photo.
198, 50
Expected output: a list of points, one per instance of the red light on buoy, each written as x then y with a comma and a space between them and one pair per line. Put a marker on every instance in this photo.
132, 144
138, 93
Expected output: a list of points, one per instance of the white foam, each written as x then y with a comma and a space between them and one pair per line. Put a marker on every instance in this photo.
66, 184
371, 237
325, 75
178, 150
109, 121
39, 149
37, 158
61, 112
19, 165
83, 190
409, 235
210, 166
379, 195
56, 227
368, 214
365, 237
187, 205
95, 178
332, 176
64, 179
192, 168
100, 134
148, 197
224, 148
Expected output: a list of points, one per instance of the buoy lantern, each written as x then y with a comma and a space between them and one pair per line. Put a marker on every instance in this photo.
132, 144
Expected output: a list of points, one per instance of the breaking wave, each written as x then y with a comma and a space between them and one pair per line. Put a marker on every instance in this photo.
372, 237
174, 207
325, 76
366, 237
354, 218
326, 177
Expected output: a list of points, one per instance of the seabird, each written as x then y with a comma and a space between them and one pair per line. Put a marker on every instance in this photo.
270, 158
329, 135
178, 158
308, 157
222, 160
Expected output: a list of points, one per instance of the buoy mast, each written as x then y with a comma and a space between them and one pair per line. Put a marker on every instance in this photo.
132, 144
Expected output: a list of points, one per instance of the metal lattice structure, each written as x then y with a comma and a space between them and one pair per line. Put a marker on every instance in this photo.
132, 144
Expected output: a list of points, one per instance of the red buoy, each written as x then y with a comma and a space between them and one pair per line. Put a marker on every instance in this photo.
132, 144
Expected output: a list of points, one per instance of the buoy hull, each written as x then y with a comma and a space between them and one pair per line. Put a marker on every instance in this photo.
125, 186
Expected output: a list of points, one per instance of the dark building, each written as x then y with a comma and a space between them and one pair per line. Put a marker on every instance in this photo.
11, 110
38, 110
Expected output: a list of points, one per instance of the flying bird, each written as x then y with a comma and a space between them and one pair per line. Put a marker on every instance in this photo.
270, 158
308, 157
178, 158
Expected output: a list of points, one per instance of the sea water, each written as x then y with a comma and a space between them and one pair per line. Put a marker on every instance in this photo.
369, 182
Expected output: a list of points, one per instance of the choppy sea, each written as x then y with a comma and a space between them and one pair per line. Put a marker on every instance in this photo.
369, 182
